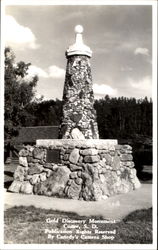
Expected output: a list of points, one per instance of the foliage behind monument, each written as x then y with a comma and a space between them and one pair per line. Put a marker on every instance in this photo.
120, 117
19, 92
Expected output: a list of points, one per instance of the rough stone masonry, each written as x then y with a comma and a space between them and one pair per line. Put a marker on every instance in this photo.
79, 115
83, 170
78, 166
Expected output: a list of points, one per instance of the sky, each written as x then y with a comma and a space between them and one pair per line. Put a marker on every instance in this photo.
120, 38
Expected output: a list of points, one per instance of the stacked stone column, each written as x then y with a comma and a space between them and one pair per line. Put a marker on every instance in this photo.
76, 168
79, 115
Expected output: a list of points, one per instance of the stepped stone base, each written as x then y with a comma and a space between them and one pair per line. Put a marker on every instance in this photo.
78, 169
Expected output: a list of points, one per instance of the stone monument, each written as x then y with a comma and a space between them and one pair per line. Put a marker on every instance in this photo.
78, 166
79, 115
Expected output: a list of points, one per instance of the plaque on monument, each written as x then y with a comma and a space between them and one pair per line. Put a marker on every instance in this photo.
94, 169
53, 155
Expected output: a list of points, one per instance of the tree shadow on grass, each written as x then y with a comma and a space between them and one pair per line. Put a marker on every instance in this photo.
9, 173
144, 176
7, 184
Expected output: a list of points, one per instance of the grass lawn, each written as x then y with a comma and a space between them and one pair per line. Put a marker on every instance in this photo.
27, 225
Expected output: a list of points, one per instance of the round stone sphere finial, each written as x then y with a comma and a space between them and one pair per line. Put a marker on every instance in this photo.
79, 29
78, 48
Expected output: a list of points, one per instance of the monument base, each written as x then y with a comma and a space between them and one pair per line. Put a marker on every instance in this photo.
88, 170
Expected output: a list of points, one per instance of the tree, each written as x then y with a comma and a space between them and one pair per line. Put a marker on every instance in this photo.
19, 92
123, 117
44, 113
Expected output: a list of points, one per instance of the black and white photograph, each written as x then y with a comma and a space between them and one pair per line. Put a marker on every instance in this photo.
78, 123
